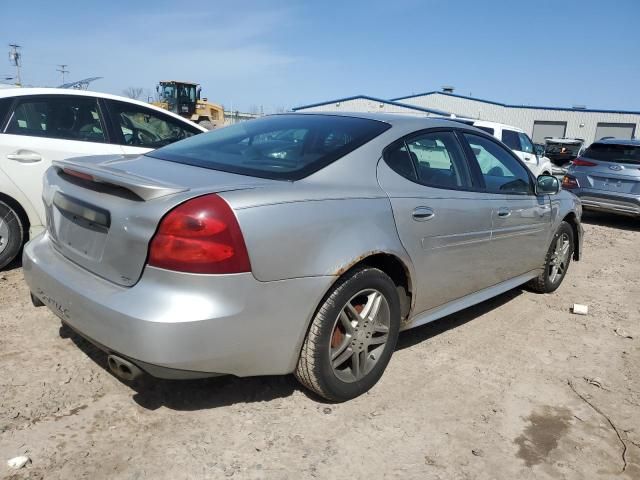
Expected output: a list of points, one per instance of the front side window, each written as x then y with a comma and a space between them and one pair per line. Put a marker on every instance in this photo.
61, 117
142, 127
511, 139
502, 173
287, 147
525, 143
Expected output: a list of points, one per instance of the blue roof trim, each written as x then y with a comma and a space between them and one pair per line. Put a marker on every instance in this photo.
374, 99
534, 107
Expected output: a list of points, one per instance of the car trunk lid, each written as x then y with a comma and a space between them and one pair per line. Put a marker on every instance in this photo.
103, 211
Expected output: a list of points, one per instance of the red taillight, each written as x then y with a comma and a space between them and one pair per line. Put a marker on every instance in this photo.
200, 236
569, 182
581, 162
75, 173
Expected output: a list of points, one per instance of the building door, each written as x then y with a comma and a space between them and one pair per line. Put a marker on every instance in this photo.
541, 130
615, 130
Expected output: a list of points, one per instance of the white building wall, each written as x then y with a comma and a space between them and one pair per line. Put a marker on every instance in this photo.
580, 124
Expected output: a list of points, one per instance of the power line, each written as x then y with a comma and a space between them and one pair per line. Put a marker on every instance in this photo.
63, 70
15, 58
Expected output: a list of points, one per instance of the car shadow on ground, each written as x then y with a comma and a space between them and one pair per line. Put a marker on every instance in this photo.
409, 338
187, 395
190, 395
611, 220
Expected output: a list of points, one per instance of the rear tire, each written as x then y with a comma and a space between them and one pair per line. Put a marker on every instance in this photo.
556, 262
352, 336
12, 234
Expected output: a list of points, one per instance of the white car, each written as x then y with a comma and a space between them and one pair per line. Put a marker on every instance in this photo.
516, 140
39, 125
520, 143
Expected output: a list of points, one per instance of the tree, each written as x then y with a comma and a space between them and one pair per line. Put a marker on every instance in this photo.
133, 92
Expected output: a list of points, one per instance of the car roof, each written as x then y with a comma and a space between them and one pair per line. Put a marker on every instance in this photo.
619, 141
486, 123
19, 92
563, 140
393, 119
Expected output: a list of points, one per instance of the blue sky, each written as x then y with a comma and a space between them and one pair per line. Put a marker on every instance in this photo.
281, 54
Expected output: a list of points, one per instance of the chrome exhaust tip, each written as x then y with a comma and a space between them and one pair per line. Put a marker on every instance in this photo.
122, 368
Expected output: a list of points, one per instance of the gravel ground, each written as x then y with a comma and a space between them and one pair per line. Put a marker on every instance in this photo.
517, 387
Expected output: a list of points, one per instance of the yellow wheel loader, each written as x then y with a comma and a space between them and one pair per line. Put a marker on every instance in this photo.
184, 99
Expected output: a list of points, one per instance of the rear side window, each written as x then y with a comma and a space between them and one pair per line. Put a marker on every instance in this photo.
607, 152
5, 105
433, 159
61, 117
138, 126
287, 147
511, 140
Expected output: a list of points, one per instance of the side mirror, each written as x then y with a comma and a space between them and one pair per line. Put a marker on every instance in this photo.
547, 185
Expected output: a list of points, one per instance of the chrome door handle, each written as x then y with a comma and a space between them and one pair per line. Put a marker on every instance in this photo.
504, 212
422, 214
25, 157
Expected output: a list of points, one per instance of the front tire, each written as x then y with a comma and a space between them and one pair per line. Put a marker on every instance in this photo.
352, 336
11, 234
557, 261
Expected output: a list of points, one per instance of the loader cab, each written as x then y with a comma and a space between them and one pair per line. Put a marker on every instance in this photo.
180, 97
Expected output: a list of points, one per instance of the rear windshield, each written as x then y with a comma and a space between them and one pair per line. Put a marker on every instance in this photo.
287, 147
568, 148
607, 152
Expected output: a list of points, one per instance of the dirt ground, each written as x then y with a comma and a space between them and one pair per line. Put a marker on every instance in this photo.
515, 388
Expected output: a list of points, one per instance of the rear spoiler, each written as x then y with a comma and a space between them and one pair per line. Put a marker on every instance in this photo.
144, 187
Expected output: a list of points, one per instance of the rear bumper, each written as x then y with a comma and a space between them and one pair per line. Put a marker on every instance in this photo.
178, 325
627, 204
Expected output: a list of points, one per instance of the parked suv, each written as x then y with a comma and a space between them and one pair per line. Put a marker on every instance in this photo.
519, 142
606, 176
41, 125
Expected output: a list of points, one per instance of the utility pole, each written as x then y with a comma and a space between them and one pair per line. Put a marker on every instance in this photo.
62, 70
15, 58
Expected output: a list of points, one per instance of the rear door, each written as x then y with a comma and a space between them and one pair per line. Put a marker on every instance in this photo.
521, 221
443, 222
41, 129
138, 129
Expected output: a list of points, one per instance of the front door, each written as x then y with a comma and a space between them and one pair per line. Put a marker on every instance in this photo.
444, 224
521, 221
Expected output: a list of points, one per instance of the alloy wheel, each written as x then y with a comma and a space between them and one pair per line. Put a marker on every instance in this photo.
559, 258
359, 335
4, 234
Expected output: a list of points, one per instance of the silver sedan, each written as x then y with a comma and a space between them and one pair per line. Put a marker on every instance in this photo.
294, 243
